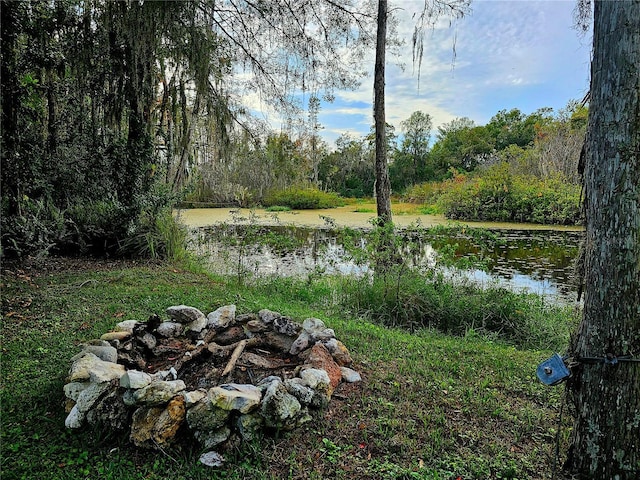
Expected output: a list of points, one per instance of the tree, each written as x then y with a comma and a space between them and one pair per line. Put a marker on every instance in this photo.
431, 12
605, 442
411, 160
382, 186
461, 145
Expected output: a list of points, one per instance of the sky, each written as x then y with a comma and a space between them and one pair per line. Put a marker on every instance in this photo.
508, 54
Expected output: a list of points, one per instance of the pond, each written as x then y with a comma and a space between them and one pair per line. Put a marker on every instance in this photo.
534, 258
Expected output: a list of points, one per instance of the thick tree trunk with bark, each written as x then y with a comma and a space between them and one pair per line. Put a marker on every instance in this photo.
383, 186
606, 435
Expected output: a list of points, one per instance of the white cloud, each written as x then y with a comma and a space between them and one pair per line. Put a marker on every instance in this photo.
508, 54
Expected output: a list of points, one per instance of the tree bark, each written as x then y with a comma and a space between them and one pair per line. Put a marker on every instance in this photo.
606, 435
383, 186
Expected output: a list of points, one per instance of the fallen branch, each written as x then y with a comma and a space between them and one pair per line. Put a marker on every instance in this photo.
234, 357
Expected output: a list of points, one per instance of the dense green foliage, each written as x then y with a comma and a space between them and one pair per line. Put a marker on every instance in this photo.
104, 104
499, 195
303, 199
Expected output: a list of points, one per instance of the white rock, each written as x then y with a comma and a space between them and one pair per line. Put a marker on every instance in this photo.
193, 397
312, 325
74, 419
170, 329
135, 379
126, 326
212, 459
73, 389
233, 396
312, 377
198, 324
157, 393
184, 313
89, 367
349, 375
222, 317
89, 396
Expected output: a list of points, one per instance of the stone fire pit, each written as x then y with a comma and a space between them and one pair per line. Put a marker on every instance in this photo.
219, 378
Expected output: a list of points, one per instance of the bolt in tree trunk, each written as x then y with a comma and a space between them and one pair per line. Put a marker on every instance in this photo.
383, 186
606, 435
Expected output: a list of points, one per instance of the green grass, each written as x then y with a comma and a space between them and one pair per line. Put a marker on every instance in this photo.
431, 406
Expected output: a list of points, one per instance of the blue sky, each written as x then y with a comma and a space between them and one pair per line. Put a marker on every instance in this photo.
509, 54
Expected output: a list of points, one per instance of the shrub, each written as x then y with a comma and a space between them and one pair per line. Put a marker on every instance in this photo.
499, 195
303, 199
36, 229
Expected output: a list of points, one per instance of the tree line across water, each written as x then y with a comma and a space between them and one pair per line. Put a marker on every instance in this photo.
518, 167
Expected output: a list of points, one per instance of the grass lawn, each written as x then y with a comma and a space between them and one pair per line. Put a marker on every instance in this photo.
430, 406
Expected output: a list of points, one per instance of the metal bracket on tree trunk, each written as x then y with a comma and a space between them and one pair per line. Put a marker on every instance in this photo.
553, 370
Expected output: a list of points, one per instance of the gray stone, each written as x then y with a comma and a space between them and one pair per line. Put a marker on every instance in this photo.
74, 419
249, 426
98, 343
89, 367
126, 326
135, 379
73, 389
197, 325
317, 330
193, 397
170, 329
106, 353
212, 459
324, 335
110, 410
268, 316
316, 397
233, 396
86, 399
184, 313
221, 318
286, 326
301, 343
312, 325
204, 416
210, 439
157, 393
90, 395
279, 408
297, 388
267, 381
349, 375
315, 378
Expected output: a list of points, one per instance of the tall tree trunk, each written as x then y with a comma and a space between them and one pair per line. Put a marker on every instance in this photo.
606, 435
383, 186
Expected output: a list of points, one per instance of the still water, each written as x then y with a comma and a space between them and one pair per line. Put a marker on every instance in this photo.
536, 259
